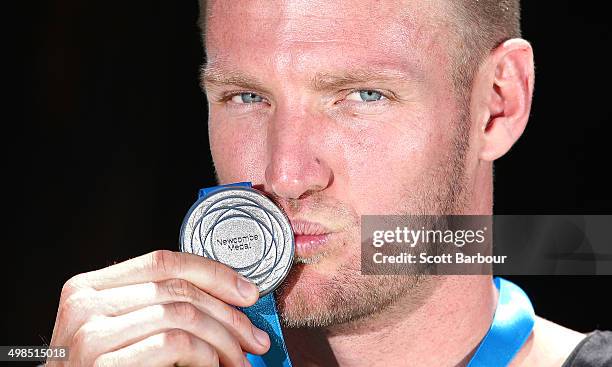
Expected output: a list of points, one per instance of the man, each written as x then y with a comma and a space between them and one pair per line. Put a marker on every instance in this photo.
335, 109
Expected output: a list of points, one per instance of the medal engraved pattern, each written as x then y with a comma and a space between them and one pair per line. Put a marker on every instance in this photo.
243, 229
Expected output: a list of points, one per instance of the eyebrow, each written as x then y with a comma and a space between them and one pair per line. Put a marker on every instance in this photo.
335, 81
319, 82
217, 76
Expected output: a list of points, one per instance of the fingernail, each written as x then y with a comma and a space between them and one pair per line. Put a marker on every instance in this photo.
246, 288
261, 336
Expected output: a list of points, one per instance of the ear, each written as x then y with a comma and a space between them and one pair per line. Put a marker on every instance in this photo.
501, 97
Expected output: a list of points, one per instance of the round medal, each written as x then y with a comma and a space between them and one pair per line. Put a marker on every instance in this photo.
242, 228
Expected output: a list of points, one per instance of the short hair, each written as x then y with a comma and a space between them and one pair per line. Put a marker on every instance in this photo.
480, 26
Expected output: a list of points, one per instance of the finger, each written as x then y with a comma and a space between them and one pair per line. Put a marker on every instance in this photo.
110, 333
170, 348
211, 276
122, 300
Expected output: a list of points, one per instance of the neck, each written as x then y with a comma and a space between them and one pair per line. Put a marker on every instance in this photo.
442, 328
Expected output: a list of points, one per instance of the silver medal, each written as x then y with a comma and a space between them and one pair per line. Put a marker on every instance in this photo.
242, 228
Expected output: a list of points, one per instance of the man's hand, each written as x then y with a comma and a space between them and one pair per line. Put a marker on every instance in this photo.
161, 309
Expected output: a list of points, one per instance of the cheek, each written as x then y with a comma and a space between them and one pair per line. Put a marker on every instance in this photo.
237, 147
388, 164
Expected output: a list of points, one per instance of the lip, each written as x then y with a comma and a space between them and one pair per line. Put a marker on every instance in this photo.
310, 237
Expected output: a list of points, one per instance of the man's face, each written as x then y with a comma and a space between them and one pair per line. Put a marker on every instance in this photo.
336, 109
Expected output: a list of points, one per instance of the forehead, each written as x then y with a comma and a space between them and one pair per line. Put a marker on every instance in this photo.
301, 36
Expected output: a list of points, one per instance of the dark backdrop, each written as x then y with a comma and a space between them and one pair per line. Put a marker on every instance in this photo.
106, 145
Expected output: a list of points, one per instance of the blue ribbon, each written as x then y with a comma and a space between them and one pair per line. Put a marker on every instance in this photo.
511, 326
262, 314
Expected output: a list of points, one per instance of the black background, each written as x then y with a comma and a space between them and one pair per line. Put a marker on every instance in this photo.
105, 145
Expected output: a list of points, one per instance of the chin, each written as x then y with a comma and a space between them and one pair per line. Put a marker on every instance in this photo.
304, 285
310, 294
302, 305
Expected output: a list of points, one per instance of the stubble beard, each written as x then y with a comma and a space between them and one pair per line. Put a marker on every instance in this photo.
348, 296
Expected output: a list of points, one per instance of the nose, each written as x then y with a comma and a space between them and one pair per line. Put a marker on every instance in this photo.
296, 166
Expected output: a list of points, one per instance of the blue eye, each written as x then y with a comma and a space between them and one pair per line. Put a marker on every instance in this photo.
247, 98
365, 95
